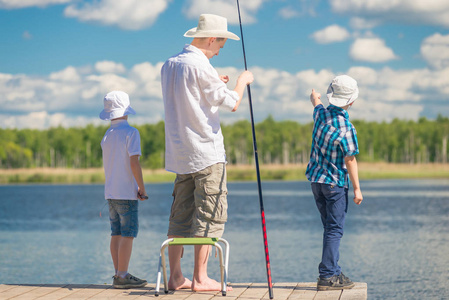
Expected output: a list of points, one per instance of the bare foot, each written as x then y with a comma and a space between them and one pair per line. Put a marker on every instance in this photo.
182, 283
208, 285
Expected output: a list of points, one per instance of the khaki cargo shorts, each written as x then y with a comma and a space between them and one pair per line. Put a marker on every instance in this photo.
199, 203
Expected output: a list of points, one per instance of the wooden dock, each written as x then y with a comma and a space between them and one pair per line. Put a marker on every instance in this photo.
241, 291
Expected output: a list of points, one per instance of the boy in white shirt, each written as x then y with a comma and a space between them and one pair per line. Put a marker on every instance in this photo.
123, 184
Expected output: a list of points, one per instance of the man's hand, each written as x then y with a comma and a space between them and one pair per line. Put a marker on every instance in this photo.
224, 78
245, 78
315, 98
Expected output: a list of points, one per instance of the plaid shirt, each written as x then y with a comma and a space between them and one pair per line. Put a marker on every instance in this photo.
334, 138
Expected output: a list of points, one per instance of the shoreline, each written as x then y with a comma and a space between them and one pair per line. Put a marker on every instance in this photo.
291, 172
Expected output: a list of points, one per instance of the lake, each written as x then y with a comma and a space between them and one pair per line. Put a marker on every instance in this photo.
397, 240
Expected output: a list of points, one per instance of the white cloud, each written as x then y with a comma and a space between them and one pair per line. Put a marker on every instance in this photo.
73, 96
432, 12
129, 14
331, 34
17, 4
361, 24
435, 50
371, 50
109, 67
224, 8
68, 74
288, 12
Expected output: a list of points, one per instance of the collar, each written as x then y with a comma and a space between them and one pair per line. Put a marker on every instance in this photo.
191, 48
117, 123
339, 110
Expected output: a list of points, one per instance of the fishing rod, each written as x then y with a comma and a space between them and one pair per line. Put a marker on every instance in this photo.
256, 158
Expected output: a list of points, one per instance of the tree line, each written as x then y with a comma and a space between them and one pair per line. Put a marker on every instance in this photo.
278, 142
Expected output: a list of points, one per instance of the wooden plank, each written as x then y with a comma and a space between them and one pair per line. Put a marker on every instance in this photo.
88, 292
255, 291
304, 291
4, 287
358, 292
237, 290
64, 291
112, 293
202, 295
41, 291
328, 295
281, 291
17, 290
241, 291
173, 295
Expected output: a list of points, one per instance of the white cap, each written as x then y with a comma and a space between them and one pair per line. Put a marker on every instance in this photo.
342, 91
116, 105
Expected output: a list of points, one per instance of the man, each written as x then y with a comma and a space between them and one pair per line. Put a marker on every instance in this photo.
332, 158
192, 92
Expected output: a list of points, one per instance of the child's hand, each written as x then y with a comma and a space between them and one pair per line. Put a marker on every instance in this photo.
142, 195
315, 98
358, 198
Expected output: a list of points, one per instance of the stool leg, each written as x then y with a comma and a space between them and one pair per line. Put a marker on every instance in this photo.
222, 269
226, 262
158, 280
164, 270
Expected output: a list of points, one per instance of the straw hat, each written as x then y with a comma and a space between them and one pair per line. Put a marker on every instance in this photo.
116, 105
342, 91
211, 26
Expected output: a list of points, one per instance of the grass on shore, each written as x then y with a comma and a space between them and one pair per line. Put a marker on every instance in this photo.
367, 171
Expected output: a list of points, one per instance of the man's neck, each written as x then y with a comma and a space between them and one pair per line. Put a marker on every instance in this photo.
202, 44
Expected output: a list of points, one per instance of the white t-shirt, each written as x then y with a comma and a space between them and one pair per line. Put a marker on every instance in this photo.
119, 143
192, 92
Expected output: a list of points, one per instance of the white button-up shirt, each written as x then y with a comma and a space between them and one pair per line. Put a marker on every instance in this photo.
192, 92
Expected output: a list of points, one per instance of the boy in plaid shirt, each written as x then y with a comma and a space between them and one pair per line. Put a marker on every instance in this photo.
332, 158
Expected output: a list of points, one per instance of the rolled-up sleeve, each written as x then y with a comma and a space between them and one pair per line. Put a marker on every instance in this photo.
216, 92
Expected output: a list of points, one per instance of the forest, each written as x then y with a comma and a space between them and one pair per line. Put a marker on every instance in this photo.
278, 142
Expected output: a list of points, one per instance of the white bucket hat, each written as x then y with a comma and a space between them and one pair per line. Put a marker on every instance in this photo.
342, 91
116, 105
211, 26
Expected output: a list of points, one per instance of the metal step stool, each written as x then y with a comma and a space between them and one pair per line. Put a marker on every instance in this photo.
194, 241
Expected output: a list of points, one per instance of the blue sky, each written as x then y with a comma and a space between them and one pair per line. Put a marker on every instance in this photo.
59, 57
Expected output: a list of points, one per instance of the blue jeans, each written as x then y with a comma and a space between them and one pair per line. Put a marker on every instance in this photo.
123, 216
332, 203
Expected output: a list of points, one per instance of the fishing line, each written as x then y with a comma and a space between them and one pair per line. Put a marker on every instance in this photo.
256, 158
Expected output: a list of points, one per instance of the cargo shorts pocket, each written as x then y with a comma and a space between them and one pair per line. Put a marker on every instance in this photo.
211, 194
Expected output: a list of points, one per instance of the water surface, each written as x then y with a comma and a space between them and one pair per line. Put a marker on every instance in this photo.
397, 240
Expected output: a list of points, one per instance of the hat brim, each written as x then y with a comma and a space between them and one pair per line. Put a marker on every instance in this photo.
109, 115
211, 33
340, 102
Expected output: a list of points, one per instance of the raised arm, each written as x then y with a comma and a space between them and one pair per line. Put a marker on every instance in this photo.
315, 98
244, 79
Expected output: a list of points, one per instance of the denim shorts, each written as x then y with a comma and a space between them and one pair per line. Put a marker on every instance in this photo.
123, 215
